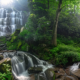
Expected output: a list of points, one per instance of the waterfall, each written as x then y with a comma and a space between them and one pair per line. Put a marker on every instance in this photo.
10, 20
22, 61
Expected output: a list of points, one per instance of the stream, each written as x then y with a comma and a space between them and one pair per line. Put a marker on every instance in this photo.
22, 61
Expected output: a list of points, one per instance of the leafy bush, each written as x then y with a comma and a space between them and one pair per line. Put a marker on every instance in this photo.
65, 54
25, 47
7, 75
63, 47
17, 43
67, 57
66, 40
36, 29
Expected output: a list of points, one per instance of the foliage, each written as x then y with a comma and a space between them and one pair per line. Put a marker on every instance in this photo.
25, 47
36, 29
13, 38
65, 54
7, 75
17, 44
67, 57
69, 24
39, 27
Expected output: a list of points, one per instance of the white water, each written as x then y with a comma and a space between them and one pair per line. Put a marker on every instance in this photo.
10, 21
19, 69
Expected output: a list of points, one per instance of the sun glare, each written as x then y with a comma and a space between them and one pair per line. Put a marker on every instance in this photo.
5, 2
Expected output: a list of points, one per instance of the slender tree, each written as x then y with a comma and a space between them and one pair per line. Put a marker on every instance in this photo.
61, 5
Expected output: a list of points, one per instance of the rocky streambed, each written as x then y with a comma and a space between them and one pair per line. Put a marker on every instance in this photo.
50, 73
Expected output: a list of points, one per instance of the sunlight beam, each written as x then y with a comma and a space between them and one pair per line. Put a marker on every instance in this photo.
6, 2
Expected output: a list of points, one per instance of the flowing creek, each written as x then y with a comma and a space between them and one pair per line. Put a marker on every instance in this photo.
22, 61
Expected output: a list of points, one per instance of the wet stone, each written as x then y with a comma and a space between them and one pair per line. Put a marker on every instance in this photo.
50, 74
44, 63
56, 70
61, 71
35, 69
76, 73
67, 71
69, 78
59, 75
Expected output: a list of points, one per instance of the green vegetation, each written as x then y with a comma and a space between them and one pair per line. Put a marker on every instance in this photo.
7, 75
17, 44
65, 54
46, 19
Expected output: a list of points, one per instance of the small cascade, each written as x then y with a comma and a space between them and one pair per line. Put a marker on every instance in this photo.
10, 20
30, 61
18, 65
22, 61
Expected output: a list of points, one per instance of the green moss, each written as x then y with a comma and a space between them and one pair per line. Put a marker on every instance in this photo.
19, 44
25, 47
13, 38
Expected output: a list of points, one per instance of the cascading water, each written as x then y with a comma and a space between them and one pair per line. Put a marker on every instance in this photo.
22, 61
10, 20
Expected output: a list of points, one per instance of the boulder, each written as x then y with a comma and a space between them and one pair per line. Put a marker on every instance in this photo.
62, 78
35, 69
50, 74
76, 73
32, 77
56, 70
67, 71
41, 77
61, 71
59, 75
69, 78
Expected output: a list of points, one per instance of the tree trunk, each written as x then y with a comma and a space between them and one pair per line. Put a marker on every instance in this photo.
54, 34
48, 4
